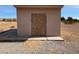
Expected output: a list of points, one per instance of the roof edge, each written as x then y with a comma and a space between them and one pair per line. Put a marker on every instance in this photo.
38, 6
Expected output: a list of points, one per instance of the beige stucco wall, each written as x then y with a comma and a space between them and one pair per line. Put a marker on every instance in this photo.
24, 20
53, 22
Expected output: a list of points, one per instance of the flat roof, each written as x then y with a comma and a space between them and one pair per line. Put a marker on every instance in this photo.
38, 6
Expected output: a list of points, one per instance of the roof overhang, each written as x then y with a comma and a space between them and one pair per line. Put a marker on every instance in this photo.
38, 6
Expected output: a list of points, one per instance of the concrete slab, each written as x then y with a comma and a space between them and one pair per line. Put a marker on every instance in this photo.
46, 38
38, 38
54, 38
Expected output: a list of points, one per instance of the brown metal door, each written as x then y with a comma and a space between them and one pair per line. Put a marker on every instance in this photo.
38, 24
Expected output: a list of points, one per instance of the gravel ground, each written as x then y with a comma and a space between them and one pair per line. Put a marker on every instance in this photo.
70, 45
32, 47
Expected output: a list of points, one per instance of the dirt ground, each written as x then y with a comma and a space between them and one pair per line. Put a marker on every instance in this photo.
70, 45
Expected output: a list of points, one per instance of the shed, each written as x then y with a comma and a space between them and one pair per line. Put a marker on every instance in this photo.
38, 20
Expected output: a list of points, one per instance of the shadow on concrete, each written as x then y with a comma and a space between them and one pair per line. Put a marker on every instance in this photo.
13, 40
11, 36
9, 33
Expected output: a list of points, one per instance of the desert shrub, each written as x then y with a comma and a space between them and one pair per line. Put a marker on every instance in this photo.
62, 19
69, 20
3, 19
14, 20
9, 20
12, 26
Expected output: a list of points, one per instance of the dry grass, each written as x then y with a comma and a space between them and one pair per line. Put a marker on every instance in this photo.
7, 25
70, 32
4, 25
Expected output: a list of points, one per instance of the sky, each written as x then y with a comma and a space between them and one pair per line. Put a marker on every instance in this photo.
70, 11
9, 11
